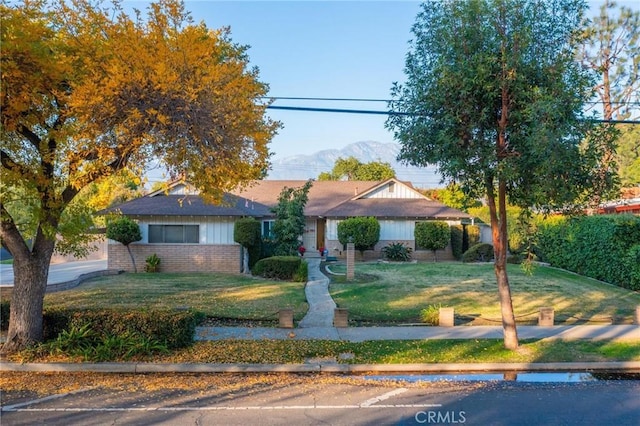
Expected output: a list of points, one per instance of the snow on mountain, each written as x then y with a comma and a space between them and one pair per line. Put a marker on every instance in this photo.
310, 166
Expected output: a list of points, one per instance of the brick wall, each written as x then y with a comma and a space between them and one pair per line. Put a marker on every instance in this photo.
178, 257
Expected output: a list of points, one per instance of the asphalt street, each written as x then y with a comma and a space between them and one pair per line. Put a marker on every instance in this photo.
245, 402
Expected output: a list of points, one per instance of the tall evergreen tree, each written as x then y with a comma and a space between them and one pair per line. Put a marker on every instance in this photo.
494, 97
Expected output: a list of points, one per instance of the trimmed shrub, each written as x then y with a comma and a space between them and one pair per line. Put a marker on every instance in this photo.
457, 240
365, 232
267, 249
174, 329
481, 252
432, 235
595, 246
473, 236
397, 252
247, 233
632, 262
278, 267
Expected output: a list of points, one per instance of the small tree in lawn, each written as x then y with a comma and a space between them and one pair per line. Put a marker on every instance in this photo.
246, 232
289, 224
363, 232
432, 236
125, 231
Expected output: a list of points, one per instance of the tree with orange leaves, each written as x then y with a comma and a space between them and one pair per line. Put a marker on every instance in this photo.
87, 90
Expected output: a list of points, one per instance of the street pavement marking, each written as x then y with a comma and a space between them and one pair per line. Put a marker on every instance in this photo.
382, 397
15, 408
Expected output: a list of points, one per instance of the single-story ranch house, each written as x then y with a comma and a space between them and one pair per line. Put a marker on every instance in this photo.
189, 235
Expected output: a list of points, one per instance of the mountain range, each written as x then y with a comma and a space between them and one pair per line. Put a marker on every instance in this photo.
310, 166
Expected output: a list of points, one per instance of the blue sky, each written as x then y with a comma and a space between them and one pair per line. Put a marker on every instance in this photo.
329, 49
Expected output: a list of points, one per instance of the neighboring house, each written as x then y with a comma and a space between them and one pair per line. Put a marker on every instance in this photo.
189, 235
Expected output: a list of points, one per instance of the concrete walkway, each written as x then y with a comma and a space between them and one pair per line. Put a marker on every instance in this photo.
318, 325
321, 305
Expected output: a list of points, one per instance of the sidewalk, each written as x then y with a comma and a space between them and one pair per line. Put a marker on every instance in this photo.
318, 325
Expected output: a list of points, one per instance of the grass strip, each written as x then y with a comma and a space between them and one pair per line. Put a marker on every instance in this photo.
384, 352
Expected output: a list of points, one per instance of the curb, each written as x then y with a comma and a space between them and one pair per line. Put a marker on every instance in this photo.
139, 368
52, 288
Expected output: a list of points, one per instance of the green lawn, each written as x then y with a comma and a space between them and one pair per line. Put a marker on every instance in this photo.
396, 293
217, 295
381, 293
404, 351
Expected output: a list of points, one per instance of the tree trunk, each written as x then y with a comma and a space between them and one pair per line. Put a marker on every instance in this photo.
245, 261
500, 246
133, 260
29, 286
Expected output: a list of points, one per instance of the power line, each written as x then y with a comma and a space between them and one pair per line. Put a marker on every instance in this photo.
338, 110
299, 98
376, 112
296, 98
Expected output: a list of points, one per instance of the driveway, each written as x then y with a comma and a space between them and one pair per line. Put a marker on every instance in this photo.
59, 272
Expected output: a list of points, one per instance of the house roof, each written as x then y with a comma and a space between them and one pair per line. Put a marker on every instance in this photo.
337, 199
323, 195
418, 208
187, 205
346, 199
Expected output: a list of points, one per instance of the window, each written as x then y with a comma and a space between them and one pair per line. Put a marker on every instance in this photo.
267, 228
174, 234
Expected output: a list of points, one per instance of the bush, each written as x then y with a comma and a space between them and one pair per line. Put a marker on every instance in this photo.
457, 240
247, 233
633, 264
267, 249
174, 329
283, 268
433, 235
302, 274
365, 232
94, 345
397, 252
431, 315
152, 263
481, 252
596, 246
472, 233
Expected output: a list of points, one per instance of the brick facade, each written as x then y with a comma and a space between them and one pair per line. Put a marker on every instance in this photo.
179, 257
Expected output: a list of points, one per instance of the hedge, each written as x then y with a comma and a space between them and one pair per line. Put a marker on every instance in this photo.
175, 329
481, 252
286, 268
600, 247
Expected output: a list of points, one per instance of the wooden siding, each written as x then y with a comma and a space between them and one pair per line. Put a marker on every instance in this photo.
399, 191
213, 230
